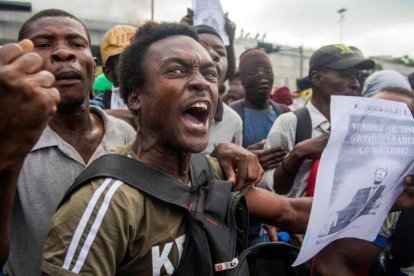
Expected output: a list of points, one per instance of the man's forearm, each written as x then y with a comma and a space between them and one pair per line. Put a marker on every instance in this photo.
231, 61
290, 214
8, 183
345, 256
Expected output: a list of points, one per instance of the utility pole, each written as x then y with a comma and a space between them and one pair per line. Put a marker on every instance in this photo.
341, 22
152, 10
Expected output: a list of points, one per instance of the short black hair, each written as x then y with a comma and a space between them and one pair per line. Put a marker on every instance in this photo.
131, 68
50, 13
251, 49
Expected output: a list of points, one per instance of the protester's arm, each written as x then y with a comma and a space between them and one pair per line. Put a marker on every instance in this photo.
291, 214
240, 166
188, 18
285, 174
8, 181
230, 29
344, 257
28, 100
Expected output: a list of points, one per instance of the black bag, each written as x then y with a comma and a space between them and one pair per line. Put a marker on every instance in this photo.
217, 219
271, 258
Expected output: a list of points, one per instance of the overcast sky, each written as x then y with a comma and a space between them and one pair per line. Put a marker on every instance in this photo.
377, 27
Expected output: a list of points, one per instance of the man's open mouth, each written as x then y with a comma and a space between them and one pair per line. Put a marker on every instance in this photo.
263, 88
196, 115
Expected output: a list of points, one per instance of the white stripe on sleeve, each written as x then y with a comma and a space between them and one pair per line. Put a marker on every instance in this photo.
82, 224
95, 227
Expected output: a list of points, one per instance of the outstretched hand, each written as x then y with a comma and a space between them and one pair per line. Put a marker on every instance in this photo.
229, 27
241, 166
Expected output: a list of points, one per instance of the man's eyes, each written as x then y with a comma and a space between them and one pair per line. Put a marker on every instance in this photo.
78, 44
211, 75
42, 45
221, 53
176, 70
46, 44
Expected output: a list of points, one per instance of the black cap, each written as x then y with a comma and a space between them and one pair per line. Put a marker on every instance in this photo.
338, 57
205, 29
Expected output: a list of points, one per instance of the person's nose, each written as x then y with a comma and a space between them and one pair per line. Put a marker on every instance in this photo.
62, 54
199, 84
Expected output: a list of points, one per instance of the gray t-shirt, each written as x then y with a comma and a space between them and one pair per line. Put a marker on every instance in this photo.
228, 130
48, 171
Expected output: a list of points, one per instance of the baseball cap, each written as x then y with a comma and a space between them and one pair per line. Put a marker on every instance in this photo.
116, 40
338, 57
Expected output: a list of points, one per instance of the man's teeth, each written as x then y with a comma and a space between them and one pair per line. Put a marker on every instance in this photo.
200, 105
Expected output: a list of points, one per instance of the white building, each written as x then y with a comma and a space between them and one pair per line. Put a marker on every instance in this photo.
98, 15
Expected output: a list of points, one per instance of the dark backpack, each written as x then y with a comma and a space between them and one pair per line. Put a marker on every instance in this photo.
217, 219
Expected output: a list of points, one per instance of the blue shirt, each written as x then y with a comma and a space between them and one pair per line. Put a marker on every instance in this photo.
257, 124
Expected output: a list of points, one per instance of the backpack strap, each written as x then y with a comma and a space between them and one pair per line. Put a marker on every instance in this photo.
238, 107
145, 178
402, 239
279, 108
304, 125
201, 170
137, 174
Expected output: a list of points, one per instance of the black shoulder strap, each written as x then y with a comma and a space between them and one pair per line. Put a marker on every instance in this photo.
402, 239
238, 107
279, 108
145, 178
304, 126
201, 170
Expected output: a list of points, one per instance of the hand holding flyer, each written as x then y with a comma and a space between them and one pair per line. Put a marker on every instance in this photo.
368, 154
210, 12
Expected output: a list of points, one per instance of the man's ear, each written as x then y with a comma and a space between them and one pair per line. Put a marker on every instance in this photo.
316, 78
134, 100
94, 67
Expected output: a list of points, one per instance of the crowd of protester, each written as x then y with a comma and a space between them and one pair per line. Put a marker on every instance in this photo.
158, 102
